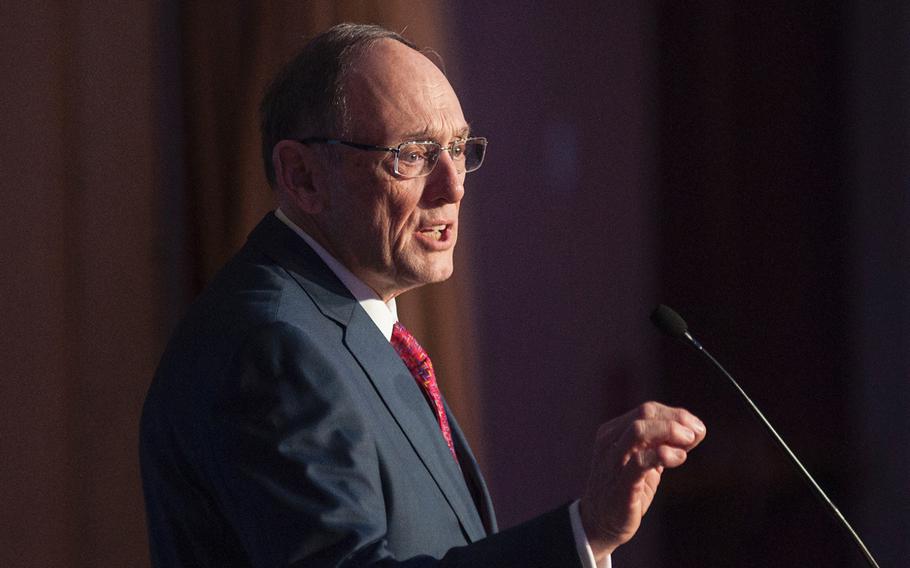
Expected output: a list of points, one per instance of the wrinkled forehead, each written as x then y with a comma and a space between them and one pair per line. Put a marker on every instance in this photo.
393, 91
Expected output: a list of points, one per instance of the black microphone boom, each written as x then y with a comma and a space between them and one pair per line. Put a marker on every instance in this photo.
669, 322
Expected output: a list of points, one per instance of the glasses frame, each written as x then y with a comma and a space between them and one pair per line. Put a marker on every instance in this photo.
397, 150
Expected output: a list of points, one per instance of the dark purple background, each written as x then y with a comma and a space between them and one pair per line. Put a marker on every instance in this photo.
746, 166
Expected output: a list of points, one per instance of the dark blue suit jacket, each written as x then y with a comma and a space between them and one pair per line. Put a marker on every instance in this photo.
282, 429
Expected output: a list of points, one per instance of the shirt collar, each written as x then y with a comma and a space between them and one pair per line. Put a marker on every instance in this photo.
383, 314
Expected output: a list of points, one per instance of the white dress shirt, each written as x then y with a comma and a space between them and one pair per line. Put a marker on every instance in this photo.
384, 315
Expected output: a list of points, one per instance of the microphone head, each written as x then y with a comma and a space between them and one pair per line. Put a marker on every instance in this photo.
669, 321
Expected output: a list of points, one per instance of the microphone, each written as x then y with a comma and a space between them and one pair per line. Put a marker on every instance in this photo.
670, 322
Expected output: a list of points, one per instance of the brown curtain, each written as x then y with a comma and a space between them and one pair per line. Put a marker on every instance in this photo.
80, 279
130, 172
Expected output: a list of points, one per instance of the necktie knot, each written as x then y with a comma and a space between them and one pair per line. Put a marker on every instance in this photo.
414, 356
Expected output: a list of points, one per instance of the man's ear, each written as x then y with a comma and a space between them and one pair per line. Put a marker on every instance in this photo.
295, 181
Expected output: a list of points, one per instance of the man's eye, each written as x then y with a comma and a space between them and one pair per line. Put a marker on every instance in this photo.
457, 150
412, 155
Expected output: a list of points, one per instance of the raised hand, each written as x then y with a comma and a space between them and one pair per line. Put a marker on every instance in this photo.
630, 455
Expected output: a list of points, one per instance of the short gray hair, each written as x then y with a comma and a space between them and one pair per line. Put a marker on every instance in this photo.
307, 96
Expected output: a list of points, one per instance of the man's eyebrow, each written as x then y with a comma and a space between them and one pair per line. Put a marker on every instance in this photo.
425, 136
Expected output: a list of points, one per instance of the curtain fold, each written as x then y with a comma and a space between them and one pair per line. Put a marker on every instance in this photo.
80, 285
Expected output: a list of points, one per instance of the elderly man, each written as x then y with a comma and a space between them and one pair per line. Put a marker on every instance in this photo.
293, 421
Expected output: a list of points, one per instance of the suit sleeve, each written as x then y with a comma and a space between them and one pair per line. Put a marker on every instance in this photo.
295, 471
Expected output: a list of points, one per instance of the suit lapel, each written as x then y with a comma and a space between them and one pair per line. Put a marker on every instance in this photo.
391, 379
407, 404
472, 476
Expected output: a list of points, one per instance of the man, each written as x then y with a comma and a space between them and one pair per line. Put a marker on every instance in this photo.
284, 426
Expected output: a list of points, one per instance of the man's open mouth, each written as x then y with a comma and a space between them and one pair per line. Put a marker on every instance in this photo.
436, 232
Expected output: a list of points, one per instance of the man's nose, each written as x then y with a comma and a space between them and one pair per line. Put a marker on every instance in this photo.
446, 181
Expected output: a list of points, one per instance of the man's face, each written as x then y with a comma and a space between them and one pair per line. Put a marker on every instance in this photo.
395, 234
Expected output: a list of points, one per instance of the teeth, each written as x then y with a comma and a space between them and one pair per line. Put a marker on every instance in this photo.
434, 232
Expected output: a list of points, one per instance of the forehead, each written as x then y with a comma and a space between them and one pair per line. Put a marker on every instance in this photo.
393, 92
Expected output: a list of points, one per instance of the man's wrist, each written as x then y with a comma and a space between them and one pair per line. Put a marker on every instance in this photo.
585, 551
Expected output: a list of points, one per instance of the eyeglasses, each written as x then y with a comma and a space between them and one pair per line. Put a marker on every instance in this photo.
417, 159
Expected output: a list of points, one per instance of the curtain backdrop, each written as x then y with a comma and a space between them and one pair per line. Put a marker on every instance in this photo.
80, 285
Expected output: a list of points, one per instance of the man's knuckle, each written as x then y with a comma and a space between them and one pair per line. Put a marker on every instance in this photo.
639, 429
649, 410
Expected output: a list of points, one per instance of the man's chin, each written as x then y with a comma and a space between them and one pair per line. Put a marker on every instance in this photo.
432, 274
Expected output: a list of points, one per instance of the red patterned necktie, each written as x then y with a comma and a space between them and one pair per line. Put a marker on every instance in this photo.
418, 362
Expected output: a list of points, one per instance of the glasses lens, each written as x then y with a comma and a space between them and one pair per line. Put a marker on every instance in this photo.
474, 150
417, 159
